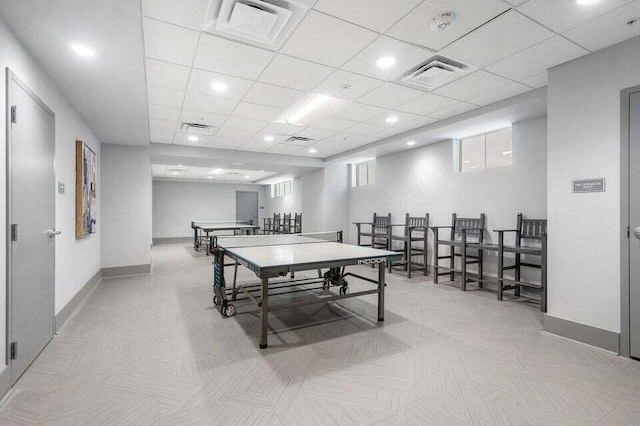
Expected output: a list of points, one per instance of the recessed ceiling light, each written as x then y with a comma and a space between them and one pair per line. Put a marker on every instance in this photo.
193, 138
179, 165
261, 171
209, 177
411, 143
246, 176
313, 150
216, 172
82, 50
466, 161
386, 62
269, 138
237, 164
174, 173
219, 86
507, 152
392, 119
586, 2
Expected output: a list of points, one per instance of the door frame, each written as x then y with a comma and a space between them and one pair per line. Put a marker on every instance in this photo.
12, 77
625, 230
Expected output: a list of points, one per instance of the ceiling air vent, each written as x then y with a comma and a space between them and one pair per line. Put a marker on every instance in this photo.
197, 128
299, 140
435, 72
263, 23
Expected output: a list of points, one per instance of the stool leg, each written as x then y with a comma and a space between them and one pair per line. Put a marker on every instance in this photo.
500, 265
464, 261
408, 254
517, 274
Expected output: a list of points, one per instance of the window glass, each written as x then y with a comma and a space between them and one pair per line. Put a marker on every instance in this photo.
472, 153
499, 148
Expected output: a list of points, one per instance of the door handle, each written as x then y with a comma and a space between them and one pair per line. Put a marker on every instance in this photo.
52, 233
636, 232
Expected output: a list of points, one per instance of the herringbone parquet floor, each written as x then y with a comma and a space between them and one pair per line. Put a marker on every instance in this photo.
150, 349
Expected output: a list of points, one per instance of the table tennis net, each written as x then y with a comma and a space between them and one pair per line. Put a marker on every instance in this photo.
274, 240
203, 223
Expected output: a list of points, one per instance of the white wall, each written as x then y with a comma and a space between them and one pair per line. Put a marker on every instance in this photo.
287, 204
177, 204
76, 261
584, 142
423, 180
325, 199
126, 208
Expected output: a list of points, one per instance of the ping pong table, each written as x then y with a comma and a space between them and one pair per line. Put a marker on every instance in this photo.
203, 230
273, 257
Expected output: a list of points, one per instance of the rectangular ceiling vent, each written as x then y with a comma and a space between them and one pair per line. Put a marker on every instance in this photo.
262, 23
299, 140
197, 128
435, 72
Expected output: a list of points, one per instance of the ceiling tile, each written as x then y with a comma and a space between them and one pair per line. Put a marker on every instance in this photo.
169, 76
258, 112
517, 2
233, 133
187, 13
182, 138
231, 58
498, 39
390, 95
159, 125
537, 59
294, 73
358, 112
164, 112
377, 15
210, 104
247, 124
169, 43
162, 136
201, 81
563, 15
504, 92
402, 119
419, 122
274, 96
347, 85
282, 148
333, 124
608, 29
453, 110
282, 129
414, 27
472, 85
537, 81
407, 57
367, 129
326, 40
315, 133
224, 142
426, 104
199, 117
165, 97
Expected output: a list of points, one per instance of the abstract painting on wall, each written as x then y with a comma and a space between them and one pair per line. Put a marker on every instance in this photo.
86, 197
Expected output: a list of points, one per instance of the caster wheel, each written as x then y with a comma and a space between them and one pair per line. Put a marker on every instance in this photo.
216, 301
344, 290
228, 311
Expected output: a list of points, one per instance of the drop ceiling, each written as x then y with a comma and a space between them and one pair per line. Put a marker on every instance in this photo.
333, 51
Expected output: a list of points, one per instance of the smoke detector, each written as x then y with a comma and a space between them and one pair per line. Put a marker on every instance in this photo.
442, 21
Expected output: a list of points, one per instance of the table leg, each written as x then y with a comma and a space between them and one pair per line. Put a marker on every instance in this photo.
381, 285
264, 313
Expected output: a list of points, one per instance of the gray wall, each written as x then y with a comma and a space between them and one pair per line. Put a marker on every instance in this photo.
584, 142
177, 204
126, 206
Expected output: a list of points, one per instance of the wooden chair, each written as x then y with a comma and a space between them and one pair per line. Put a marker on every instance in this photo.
267, 225
462, 231
380, 234
277, 223
297, 223
286, 224
415, 230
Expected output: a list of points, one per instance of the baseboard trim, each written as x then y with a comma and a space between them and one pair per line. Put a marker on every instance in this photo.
5, 384
169, 240
598, 337
119, 271
67, 311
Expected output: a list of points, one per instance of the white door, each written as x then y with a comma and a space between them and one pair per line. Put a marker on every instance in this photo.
634, 221
247, 206
31, 222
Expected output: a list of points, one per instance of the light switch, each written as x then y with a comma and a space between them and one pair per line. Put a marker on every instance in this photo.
61, 188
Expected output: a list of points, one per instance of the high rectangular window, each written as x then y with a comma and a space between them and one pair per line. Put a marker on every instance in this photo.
281, 189
363, 174
488, 150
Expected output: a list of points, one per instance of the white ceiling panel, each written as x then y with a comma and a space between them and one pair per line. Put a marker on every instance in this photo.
162, 136
348, 139
226, 142
498, 39
561, 15
358, 112
233, 133
315, 133
407, 57
426, 104
273, 96
283, 148
187, 13
282, 129
414, 27
231, 58
182, 138
347, 85
402, 119
326, 40
164, 112
295, 73
257, 112
419, 122
165, 97
210, 104
608, 29
168, 42
377, 15
517, 2
201, 83
459, 108
537, 81
367, 129
390, 95
169, 76
159, 125
202, 118
247, 124
333, 124
504, 92
536, 59
472, 85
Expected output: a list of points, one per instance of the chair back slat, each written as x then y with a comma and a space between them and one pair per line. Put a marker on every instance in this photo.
417, 221
475, 226
533, 229
381, 223
297, 223
286, 223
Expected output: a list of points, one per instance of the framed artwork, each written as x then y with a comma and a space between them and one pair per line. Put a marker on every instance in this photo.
86, 197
